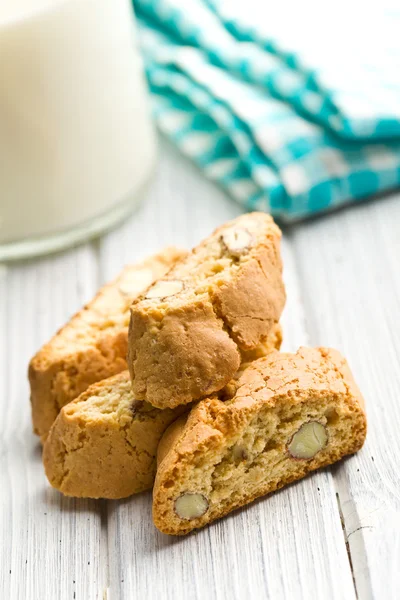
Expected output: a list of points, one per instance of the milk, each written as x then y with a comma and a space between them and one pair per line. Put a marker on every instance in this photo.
76, 140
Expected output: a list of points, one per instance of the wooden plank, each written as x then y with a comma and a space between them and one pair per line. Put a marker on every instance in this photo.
344, 290
56, 547
349, 265
290, 545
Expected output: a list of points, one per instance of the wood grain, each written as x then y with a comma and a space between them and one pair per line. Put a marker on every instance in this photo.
342, 277
53, 546
349, 269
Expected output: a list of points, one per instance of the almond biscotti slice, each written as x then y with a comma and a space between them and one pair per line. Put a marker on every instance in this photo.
104, 443
93, 345
189, 329
291, 414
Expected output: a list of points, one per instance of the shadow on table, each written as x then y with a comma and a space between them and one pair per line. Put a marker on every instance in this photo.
53, 499
106, 508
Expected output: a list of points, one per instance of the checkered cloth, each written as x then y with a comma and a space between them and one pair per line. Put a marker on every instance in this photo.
287, 118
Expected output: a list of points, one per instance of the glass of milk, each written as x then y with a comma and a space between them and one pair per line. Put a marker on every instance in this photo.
76, 140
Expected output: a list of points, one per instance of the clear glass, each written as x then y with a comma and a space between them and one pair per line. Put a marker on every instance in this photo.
77, 144
46, 244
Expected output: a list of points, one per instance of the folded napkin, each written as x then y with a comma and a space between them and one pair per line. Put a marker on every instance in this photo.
290, 114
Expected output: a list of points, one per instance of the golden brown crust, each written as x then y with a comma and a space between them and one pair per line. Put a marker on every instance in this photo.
189, 358
272, 343
104, 443
274, 397
170, 437
187, 345
93, 345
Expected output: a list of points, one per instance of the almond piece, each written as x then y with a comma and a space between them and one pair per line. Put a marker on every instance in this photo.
310, 439
237, 241
191, 506
136, 282
164, 288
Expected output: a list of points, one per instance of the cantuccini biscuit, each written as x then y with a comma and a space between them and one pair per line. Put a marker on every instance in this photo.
189, 329
290, 414
104, 443
93, 345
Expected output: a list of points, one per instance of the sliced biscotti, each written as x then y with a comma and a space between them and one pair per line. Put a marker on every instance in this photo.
93, 345
291, 414
189, 329
104, 443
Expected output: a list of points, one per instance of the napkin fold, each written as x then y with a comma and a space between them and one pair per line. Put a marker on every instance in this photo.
290, 115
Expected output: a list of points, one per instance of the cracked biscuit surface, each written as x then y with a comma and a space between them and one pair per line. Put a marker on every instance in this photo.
93, 344
104, 443
290, 414
189, 331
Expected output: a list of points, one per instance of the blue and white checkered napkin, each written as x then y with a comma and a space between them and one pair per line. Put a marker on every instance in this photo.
287, 118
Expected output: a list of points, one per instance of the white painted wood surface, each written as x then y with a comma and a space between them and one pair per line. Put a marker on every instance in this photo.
343, 281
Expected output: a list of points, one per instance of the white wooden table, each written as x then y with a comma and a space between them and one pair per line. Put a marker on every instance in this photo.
335, 534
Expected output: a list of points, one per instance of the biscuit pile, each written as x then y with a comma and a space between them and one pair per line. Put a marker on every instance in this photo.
195, 399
